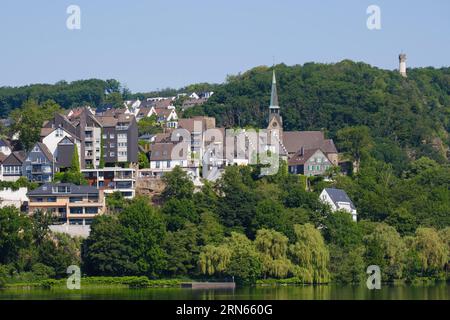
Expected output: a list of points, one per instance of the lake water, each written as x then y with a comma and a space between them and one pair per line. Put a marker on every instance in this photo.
388, 292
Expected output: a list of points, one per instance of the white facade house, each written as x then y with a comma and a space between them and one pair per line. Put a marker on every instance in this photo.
52, 139
338, 200
194, 95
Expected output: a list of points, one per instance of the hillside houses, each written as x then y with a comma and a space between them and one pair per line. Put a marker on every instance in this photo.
106, 141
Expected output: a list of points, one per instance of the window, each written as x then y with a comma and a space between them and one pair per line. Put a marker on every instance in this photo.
112, 154
59, 132
93, 210
104, 136
75, 199
61, 189
168, 164
111, 135
157, 164
51, 199
112, 145
76, 210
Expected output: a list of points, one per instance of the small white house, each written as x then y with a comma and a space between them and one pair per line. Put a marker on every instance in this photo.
338, 200
53, 138
194, 95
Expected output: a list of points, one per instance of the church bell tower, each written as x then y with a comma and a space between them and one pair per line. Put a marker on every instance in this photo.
275, 126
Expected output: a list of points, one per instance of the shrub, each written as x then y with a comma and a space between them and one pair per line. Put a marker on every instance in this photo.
139, 282
48, 283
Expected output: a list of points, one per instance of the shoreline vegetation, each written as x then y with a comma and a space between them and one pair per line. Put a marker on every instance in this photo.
142, 282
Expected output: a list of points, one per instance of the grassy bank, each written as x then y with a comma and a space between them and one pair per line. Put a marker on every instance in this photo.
127, 282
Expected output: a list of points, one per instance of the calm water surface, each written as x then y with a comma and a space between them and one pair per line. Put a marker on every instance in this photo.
333, 292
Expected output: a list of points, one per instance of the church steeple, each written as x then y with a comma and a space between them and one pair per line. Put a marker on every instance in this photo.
274, 94
275, 125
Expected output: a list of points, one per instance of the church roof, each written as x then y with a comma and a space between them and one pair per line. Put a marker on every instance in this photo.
274, 94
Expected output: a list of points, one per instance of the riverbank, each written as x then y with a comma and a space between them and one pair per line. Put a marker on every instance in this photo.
126, 282
134, 282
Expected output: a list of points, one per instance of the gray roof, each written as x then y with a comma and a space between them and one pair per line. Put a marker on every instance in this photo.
45, 151
5, 143
339, 195
47, 189
16, 158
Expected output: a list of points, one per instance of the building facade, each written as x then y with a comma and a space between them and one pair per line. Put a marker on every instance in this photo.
39, 165
69, 203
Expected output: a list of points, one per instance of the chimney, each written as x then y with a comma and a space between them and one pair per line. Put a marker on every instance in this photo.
402, 67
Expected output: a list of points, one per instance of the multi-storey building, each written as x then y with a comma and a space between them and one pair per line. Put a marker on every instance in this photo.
83, 126
112, 179
39, 165
69, 203
119, 139
117, 129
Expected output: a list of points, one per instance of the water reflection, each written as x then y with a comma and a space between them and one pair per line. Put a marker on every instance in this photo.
440, 291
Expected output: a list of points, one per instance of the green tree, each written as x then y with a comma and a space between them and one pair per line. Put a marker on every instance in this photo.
104, 253
431, 252
15, 231
237, 205
310, 255
178, 212
27, 123
143, 161
75, 162
273, 247
143, 229
355, 141
178, 185
245, 263
182, 250
386, 249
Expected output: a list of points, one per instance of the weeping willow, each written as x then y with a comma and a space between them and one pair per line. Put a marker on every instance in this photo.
214, 259
272, 247
310, 254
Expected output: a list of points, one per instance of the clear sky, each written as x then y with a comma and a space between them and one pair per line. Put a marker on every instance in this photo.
154, 44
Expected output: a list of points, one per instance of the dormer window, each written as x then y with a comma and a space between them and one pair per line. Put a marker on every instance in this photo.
61, 189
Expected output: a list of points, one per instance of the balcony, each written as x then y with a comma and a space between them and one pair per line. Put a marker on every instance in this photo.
122, 127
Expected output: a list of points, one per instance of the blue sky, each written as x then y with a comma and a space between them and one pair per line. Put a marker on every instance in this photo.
171, 43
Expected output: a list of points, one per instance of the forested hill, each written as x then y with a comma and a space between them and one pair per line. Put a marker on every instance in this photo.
402, 113
92, 92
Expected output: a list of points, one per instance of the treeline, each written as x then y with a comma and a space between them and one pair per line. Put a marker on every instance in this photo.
93, 92
250, 228
253, 228
29, 252
409, 116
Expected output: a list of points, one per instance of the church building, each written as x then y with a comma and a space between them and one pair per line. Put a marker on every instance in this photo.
295, 146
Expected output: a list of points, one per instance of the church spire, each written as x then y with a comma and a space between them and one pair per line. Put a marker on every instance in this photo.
274, 94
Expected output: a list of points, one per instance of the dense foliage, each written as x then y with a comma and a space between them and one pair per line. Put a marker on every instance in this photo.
92, 92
